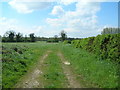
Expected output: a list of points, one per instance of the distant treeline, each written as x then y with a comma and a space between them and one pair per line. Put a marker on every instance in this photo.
110, 31
53, 39
12, 36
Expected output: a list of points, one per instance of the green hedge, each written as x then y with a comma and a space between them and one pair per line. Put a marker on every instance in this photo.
106, 46
67, 42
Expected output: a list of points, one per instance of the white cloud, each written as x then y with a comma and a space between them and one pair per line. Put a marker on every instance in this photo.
57, 10
28, 7
81, 22
66, 2
44, 31
55, 22
83, 19
7, 24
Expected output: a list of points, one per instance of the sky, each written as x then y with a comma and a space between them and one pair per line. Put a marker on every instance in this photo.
46, 19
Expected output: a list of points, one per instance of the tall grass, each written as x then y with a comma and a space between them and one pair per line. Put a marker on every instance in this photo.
94, 72
17, 58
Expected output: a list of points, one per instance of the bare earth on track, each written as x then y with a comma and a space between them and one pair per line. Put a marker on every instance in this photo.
71, 77
30, 80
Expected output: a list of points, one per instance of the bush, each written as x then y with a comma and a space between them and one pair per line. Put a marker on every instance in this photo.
52, 41
106, 46
67, 42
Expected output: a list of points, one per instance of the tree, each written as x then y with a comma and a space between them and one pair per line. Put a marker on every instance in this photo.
18, 37
63, 35
4, 38
10, 36
32, 37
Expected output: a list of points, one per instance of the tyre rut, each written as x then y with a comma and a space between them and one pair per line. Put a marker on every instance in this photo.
71, 77
30, 80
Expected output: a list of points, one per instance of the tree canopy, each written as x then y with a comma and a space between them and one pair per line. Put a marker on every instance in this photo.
63, 35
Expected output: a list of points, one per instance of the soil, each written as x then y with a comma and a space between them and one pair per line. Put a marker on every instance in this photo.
30, 80
72, 82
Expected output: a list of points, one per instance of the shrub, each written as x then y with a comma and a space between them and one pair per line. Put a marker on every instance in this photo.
52, 41
67, 42
106, 46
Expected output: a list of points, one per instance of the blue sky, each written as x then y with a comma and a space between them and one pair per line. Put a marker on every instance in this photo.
108, 15
49, 18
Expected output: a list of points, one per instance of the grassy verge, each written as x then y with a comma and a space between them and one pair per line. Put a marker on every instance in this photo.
53, 76
17, 58
94, 72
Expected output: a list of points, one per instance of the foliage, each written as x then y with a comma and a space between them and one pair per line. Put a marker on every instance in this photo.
90, 71
105, 46
52, 40
11, 36
19, 37
17, 59
67, 42
63, 35
32, 37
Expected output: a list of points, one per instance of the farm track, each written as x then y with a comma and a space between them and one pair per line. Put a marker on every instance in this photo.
30, 80
71, 77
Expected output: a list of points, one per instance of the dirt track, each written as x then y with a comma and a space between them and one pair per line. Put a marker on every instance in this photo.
30, 80
72, 82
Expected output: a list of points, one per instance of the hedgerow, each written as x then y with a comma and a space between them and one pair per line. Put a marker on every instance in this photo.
67, 42
106, 46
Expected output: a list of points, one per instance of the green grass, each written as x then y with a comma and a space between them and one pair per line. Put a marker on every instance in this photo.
16, 63
53, 76
94, 72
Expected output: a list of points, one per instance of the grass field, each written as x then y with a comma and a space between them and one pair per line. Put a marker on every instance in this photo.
19, 58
